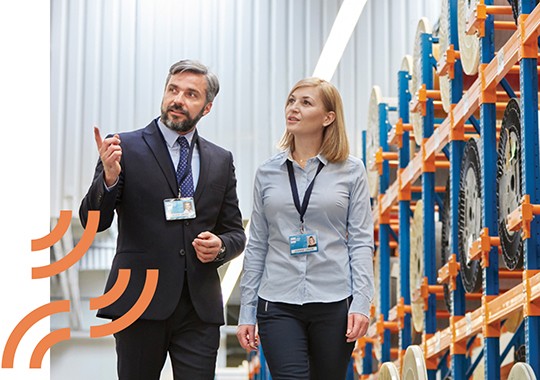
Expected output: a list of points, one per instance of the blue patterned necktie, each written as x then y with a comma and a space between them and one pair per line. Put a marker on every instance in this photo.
183, 173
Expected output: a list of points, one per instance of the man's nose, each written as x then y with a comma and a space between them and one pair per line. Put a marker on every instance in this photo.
179, 98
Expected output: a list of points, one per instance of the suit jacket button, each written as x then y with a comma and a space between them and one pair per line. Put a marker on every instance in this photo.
186, 223
182, 252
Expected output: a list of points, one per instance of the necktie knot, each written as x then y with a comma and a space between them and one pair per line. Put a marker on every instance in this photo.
183, 142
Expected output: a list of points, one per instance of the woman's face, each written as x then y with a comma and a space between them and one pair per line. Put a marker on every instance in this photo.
305, 113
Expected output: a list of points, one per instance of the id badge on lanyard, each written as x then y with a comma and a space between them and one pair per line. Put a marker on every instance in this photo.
303, 243
179, 208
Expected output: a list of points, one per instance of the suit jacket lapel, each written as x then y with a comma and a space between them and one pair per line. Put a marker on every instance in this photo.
154, 140
205, 164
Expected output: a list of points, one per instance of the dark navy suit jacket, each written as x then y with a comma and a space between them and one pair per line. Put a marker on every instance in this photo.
146, 240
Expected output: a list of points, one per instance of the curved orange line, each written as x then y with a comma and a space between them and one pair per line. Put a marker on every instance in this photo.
135, 312
75, 255
46, 343
114, 293
55, 235
22, 327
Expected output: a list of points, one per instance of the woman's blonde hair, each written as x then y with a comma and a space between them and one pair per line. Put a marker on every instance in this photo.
335, 144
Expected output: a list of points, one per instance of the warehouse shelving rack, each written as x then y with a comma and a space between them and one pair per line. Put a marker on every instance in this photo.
449, 137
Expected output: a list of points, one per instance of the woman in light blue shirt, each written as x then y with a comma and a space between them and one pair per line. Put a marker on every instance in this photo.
310, 301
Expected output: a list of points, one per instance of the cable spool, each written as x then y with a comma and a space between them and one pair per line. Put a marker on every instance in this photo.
388, 371
444, 43
469, 45
470, 216
521, 371
478, 373
424, 26
445, 241
372, 140
446, 252
395, 289
509, 190
416, 267
515, 8
414, 365
358, 359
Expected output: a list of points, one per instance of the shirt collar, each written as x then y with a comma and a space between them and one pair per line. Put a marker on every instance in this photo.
287, 155
171, 136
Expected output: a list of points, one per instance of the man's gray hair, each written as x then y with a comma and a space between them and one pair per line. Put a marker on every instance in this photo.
187, 65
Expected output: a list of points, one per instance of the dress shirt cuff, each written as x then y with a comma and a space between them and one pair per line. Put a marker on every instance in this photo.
248, 315
109, 188
360, 304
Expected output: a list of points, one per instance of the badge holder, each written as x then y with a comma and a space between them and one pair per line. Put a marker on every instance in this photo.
179, 208
303, 244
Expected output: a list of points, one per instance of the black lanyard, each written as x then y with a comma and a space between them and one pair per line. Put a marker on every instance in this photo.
307, 195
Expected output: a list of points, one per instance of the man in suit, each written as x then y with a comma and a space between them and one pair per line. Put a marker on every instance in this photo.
138, 175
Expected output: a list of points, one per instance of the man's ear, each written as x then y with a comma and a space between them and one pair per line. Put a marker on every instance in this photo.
207, 108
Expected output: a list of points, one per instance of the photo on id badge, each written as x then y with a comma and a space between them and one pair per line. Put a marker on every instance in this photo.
303, 243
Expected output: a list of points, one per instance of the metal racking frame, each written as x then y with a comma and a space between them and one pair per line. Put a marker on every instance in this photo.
449, 137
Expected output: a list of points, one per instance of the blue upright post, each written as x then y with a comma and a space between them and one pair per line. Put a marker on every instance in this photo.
367, 362
428, 195
364, 147
404, 211
459, 360
488, 157
531, 178
384, 238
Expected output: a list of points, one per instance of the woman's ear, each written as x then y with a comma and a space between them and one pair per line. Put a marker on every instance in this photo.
329, 118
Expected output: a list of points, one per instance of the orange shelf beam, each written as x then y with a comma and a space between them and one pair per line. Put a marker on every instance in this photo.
525, 295
523, 216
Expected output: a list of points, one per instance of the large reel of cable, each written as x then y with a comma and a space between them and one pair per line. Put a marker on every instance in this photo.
446, 251
446, 230
470, 216
424, 27
469, 45
373, 140
521, 371
444, 43
416, 265
509, 190
388, 371
515, 8
414, 364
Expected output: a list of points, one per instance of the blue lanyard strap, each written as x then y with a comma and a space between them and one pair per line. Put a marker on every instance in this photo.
294, 190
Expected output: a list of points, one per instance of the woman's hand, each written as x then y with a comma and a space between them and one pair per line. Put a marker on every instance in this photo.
357, 326
247, 337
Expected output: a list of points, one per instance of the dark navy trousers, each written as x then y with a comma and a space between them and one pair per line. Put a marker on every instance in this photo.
305, 342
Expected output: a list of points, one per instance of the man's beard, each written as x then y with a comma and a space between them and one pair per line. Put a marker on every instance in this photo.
180, 126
